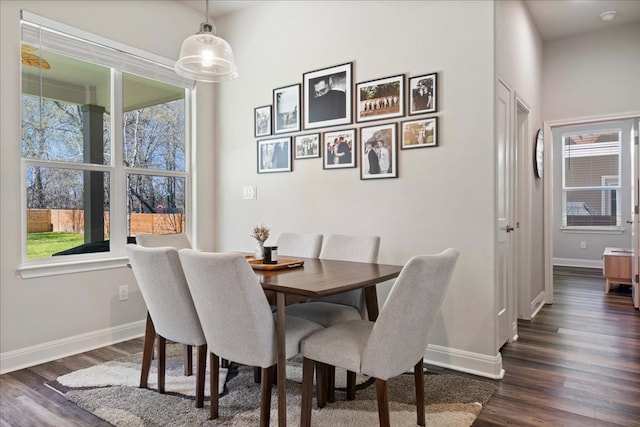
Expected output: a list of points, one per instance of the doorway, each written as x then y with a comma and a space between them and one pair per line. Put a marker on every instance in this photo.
569, 240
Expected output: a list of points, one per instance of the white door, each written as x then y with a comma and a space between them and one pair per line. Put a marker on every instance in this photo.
505, 211
635, 215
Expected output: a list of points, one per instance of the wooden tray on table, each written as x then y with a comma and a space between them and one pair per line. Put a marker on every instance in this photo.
282, 263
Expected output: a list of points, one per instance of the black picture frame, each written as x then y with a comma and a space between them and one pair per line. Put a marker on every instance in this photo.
307, 146
380, 99
332, 144
274, 155
327, 96
286, 109
423, 94
419, 133
379, 151
262, 120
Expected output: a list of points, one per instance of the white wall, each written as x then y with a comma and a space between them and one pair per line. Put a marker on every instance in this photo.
443, 196
519, 64
594, 74
57, 315
587, 76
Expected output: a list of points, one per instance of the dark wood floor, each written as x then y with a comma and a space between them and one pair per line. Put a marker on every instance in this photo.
576, 364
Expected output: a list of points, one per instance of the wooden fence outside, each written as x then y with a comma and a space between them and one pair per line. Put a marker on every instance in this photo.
72, 221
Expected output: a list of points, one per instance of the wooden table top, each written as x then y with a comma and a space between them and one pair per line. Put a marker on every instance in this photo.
321, 277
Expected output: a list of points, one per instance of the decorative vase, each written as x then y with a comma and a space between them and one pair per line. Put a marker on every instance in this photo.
258, 252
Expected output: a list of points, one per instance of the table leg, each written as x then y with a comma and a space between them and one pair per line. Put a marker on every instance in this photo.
282, 362
371, 298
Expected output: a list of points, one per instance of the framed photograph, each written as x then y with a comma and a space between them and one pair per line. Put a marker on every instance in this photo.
379, 152
263, 121
423, 94
307, 146
286, 109
339, 149
274, 155
327, 96
420, 133
380, 99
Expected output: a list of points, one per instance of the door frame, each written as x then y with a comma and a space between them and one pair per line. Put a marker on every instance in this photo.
548, 185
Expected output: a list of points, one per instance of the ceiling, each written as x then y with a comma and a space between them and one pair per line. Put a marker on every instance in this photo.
562, 18
554, 18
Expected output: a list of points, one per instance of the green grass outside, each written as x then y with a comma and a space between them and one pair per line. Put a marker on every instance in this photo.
43, 245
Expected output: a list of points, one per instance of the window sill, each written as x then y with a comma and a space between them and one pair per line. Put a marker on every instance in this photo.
30, 271
592, 230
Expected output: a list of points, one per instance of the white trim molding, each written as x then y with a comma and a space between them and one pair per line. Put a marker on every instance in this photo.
465, 361
584, 263
30, 356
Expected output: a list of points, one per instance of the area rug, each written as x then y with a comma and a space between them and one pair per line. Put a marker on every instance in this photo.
110, 391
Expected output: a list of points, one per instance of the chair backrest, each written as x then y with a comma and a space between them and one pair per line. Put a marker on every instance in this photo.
305, 245
235, 315
400, 335
164, 288
343, 247
176, 240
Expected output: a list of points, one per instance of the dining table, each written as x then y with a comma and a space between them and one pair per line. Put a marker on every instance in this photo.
316, 278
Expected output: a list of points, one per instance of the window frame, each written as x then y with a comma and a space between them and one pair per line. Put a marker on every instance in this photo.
618, 228
143, 64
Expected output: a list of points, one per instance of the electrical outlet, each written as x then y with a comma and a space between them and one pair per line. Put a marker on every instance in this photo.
583, 245
123, 292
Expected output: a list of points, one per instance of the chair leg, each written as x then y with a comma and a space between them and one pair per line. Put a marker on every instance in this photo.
147, 351
307, 390
419, 378
187, 351
214, 376
162, 362
265, 391
257, 372
331, 383
321, 384
200, 375
383, 403
351, 385
224, 363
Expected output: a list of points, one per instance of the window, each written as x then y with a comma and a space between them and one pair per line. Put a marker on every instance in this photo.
103, 144
592, 179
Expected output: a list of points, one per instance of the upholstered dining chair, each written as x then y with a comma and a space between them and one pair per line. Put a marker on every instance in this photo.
391, 345
345, 306
237, 321
177, 241
165, 291
305, 245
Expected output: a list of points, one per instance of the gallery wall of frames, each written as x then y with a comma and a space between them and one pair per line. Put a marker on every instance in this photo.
328, 117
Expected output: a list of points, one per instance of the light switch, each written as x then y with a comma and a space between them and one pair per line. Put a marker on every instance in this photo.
249, 193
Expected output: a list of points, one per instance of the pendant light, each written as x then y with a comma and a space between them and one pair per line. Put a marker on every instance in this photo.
206, 57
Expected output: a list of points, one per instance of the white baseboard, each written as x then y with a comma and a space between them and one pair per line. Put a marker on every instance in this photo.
537, 304
465, 361
585, 263
41, 353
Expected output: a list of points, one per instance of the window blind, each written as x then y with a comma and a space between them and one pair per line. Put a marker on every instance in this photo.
58, 38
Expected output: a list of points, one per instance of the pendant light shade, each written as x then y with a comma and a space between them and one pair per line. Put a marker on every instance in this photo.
206, 57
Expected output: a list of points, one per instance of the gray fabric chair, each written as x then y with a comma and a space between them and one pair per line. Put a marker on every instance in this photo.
237, 321
305, 245
338, 308
391, 345
349, 305
171, 313
177, 241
